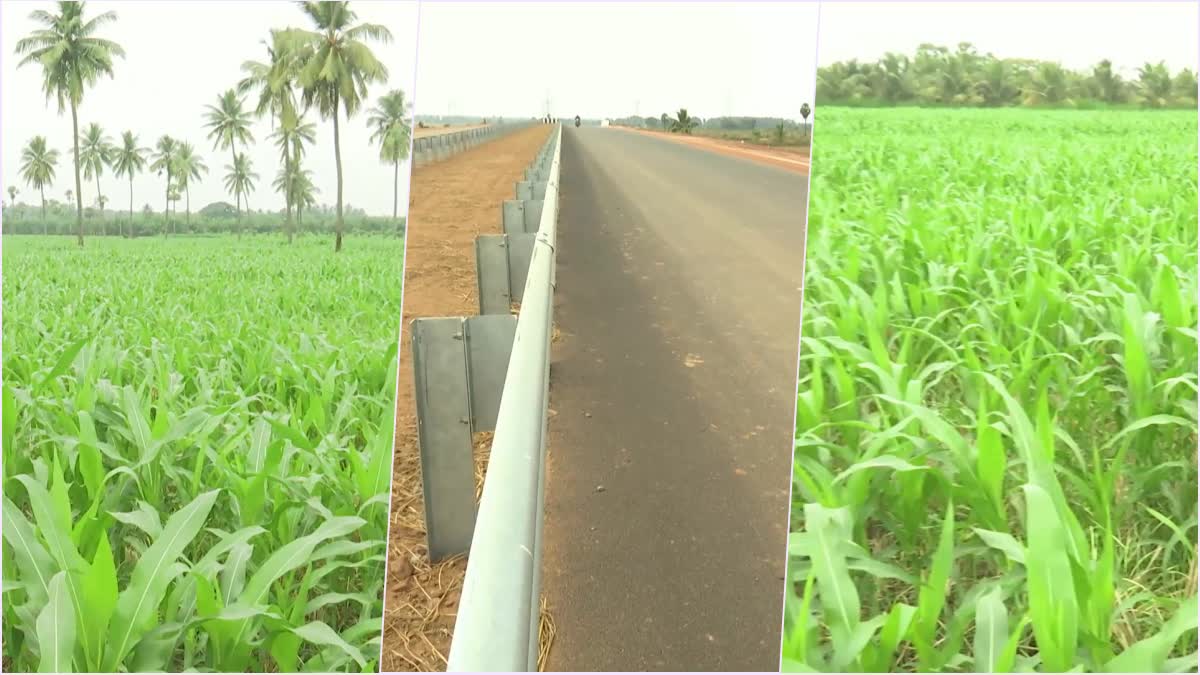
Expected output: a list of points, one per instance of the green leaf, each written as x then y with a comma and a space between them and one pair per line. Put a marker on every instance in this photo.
932, 596
34, 564
145, 518
319, 633
138, 426
10, 418
64, 362
287, 558
91, 464
839, 597
1003, 542
98, 592
991, 630
377, 473
154, 571
1053, 608
57, 535
56, 628
881, 462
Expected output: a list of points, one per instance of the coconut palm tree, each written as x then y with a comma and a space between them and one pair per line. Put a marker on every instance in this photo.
12, 195
336, 66
229, 125
1154, 85
683, 122
1051, 84
239, 180
72, 59
391, 129
129, 159
1108, 84
164, 160
173, 199
1184, 86
275, 83
188, 167
290, 139
37, 169
95, 154
306, 192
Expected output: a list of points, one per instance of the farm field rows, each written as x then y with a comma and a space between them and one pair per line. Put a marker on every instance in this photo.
995, 450
197, 452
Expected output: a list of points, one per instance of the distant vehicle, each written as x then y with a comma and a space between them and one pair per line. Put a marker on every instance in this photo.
577, 120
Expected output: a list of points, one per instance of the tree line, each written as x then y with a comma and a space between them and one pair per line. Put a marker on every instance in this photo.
683, 122
937, 75
325, 70
57, 217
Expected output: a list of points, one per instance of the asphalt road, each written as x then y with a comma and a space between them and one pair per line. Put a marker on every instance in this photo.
673, 399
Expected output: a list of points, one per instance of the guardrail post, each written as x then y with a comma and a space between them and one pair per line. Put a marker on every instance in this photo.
521, 215
459, 367
501, 267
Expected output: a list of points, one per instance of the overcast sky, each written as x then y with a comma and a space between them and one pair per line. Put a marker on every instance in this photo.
179, 57
1075, 34
615, 59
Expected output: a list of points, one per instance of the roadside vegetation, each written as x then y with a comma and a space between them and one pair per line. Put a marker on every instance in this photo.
995, 455
768, 131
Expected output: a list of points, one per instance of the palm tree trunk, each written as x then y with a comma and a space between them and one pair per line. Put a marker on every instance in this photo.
287, 189
45, 227
187, 190
78, 182
396, 195
337, 153
131, 204
237, 193
167, 205
100, 204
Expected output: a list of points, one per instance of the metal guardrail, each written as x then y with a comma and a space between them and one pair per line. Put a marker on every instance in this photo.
429, 149
485, 372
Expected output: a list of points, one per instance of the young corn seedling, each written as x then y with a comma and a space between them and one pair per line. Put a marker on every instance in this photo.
196, 471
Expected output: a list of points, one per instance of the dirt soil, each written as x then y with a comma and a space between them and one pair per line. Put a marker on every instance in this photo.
793, 159
451, 202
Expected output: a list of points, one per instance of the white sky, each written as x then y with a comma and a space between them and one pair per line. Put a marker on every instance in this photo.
179, 57
1076, 34
614, 59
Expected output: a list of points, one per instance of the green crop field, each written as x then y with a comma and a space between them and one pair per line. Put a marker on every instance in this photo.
197, 451
995, 457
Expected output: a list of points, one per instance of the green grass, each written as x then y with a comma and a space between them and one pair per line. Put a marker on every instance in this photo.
197, 452
995, 458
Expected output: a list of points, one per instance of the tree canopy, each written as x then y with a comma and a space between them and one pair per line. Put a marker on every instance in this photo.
940, 76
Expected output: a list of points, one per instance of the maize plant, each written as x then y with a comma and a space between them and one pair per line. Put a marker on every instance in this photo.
995, 450
197, 453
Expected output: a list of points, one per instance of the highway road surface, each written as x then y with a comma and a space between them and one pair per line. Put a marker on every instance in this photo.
672, 395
